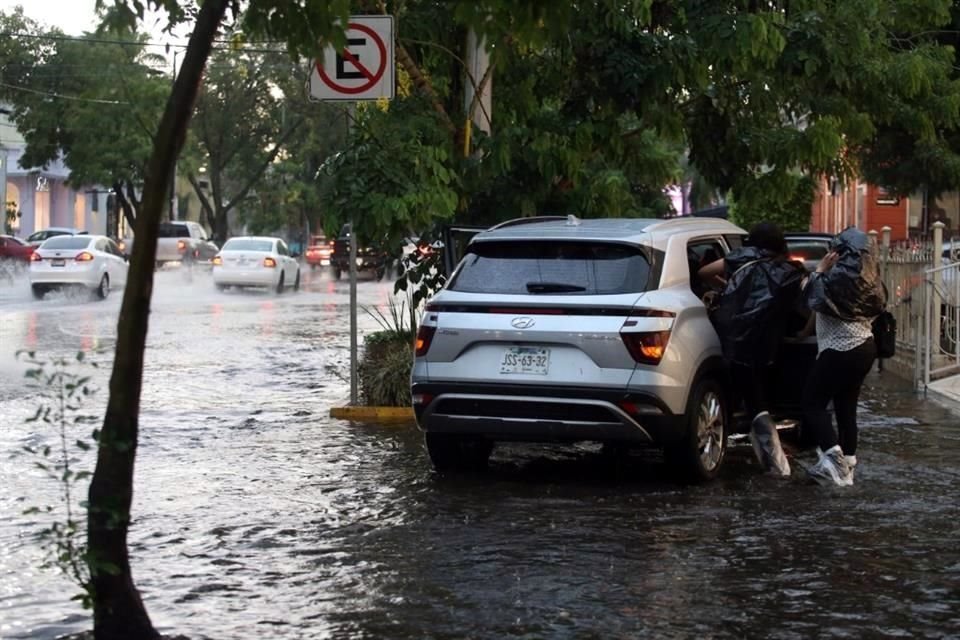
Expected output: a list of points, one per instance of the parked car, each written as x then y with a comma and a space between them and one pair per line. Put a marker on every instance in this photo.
808, 248
15, 250
566, 330
37, 238
256, 261
183, 242
370, 257
92, 262
318, 251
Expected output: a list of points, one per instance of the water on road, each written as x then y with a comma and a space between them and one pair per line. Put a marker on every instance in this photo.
258, 516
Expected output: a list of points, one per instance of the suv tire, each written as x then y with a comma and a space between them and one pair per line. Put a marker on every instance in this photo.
457, 453
699, 455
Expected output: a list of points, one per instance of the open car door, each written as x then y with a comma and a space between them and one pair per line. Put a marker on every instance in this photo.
455, 240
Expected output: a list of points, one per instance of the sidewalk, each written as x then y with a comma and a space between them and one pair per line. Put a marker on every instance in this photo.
946, 391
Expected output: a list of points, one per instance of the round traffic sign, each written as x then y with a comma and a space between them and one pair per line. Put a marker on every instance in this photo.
372, 77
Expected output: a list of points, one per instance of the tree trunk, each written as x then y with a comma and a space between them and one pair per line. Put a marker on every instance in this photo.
118, 611
125, 206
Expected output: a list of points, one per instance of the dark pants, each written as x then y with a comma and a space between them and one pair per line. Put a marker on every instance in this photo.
837, 376
751, 381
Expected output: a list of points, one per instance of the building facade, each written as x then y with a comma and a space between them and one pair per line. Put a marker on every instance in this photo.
39, 198
869, 207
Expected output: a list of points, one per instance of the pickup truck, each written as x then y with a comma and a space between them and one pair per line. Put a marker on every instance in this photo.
370, 258
180, 241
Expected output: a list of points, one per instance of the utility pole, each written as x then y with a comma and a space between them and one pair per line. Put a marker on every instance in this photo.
3, 176
173, 182
478, 65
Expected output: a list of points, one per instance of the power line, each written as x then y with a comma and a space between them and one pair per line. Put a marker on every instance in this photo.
59, 96
64, 38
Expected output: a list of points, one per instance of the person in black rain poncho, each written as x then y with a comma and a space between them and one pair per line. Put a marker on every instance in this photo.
761, 290
847, 294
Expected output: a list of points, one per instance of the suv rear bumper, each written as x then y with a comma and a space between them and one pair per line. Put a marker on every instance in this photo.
546, 413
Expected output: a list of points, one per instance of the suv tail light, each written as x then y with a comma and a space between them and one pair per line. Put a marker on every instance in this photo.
181, 246
422, 399
646, 347
424, 338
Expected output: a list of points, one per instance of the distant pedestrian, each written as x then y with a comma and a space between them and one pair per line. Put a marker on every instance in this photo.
762, 289
846, 293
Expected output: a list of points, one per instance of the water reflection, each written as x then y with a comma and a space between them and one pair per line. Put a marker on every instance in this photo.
258, 516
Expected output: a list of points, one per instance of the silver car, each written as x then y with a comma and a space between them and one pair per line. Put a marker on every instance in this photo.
566, 330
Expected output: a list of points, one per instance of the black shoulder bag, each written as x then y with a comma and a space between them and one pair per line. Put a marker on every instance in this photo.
885, 332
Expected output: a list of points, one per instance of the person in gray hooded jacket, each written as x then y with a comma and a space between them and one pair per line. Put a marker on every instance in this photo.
847, 294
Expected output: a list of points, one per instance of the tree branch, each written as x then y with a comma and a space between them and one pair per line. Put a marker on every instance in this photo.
422, 83
125, 206
263, 166
202, 197
478, 94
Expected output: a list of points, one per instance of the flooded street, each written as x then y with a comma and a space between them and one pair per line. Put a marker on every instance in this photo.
258, 516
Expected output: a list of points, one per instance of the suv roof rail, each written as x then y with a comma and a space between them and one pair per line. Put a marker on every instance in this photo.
527, 220
687, 220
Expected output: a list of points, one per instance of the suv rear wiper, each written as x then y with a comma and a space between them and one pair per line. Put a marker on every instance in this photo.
553, 287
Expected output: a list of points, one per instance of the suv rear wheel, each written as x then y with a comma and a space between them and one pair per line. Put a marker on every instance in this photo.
700, 454
457, 453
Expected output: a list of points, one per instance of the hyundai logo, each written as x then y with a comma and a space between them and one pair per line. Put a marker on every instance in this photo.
523, 322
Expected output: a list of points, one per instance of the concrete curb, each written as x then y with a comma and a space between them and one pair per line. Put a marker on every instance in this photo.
945, 400
378, 414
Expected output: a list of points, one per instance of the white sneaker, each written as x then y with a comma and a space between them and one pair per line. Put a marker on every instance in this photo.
767, 446
832, 467
851, 463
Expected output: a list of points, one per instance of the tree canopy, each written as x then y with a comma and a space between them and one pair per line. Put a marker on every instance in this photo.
91, 102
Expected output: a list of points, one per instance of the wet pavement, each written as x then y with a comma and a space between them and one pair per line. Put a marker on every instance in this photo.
258, 516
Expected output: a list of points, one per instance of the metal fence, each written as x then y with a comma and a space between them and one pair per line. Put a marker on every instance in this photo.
923, 285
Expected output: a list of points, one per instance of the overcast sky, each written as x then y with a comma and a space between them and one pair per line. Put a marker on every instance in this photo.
73, 17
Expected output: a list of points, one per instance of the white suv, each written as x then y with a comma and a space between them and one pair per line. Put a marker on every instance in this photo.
565, 330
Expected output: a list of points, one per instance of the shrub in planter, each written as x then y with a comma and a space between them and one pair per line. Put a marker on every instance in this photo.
384, 371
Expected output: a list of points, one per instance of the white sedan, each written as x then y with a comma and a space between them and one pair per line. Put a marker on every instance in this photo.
256, 261
93, 262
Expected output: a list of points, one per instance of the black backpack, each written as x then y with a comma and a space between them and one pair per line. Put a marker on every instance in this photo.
885, 334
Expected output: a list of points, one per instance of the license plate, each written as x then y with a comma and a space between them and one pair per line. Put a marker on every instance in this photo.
535, 360
58, 263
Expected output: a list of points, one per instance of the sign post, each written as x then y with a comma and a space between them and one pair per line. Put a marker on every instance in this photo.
362, 70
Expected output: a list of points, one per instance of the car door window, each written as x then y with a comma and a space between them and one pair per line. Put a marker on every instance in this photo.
282, 248
700, 253
734, 241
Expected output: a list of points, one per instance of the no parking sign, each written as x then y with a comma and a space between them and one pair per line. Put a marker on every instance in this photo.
364, 69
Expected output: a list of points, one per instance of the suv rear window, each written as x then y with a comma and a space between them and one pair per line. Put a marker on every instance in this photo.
552, 268
173, 231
